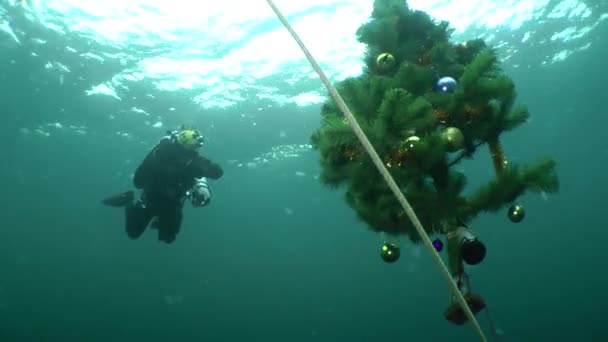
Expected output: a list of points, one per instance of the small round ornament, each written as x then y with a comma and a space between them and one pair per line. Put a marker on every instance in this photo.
390, 252
516, 213
385, 61
446, 84
410, 144
454, 139
438, 245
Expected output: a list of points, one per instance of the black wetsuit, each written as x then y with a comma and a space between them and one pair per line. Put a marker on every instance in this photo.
165, 175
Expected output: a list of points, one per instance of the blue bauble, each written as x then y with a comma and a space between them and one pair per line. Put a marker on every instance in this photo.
446, 84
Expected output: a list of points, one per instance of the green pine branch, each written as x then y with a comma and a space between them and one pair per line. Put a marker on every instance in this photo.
394, 104
538, 177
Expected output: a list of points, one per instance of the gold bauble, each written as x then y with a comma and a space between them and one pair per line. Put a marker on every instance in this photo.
411, 143
400, 155
385, 61
516, 213
454, 139
390, 252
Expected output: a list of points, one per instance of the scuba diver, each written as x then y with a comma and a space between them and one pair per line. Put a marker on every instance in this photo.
172, 172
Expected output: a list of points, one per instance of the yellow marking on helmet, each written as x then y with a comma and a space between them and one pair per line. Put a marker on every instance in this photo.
187, 138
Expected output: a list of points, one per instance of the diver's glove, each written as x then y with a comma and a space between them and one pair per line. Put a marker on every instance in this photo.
201, 193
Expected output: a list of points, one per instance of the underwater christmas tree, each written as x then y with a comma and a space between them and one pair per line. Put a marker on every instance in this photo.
426, 104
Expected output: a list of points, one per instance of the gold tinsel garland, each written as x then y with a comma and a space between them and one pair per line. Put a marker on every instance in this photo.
469, 113
475, 113
441, 115
350, 153
427, 57
396, 158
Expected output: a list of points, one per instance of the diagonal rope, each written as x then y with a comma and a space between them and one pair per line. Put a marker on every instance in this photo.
382, 169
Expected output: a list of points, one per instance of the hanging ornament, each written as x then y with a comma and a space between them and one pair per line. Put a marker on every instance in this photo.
516, 213
385, 61
410, 144
446, 84
405, 150
454, 314
438, 245
454, 139
390, 252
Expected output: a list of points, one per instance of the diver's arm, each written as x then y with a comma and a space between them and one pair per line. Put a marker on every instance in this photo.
206, 168
143, 171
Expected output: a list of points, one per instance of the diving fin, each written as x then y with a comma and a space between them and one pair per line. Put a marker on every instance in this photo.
120, 200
